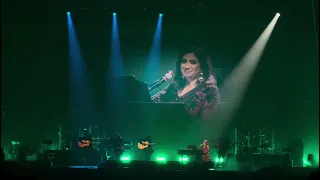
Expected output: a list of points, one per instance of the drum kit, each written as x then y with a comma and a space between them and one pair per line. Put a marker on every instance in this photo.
248, 143
100, 140
254, 143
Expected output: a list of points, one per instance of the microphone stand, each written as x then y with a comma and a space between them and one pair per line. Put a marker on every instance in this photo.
152, 86
160, 81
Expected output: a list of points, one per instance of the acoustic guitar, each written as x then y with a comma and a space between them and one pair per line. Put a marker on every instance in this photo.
85, 143
144, 144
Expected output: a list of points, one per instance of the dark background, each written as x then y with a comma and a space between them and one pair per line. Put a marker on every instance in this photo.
35, 72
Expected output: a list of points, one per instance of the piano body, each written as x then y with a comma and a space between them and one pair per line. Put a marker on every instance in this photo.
192, 154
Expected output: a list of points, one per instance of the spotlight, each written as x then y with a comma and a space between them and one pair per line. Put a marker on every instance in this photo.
278, 14
68, 13
160, 14
114, 14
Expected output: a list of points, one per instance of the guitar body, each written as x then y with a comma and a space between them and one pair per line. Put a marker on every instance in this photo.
143, 145
85, 143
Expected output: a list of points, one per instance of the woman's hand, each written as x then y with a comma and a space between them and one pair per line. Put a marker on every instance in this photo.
211, 80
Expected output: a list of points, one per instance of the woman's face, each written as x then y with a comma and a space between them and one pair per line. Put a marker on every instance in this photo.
190, 66
205, 143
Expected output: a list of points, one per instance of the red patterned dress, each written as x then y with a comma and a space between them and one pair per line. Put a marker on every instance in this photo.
206, 153
200, 101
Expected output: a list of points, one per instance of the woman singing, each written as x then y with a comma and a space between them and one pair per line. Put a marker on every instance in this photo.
194, 84
206, 151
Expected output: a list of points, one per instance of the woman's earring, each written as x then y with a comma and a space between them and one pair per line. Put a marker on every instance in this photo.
201, 79
182, 77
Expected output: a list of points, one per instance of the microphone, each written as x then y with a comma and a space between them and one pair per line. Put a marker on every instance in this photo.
159, 82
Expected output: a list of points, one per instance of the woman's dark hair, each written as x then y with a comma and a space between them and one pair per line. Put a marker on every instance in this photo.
178, 81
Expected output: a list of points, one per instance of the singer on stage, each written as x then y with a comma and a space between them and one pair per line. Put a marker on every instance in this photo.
206, 151
194, 84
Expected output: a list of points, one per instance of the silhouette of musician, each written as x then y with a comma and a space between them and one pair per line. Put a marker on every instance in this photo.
223, 145
206, 151
117, 143
148, 151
